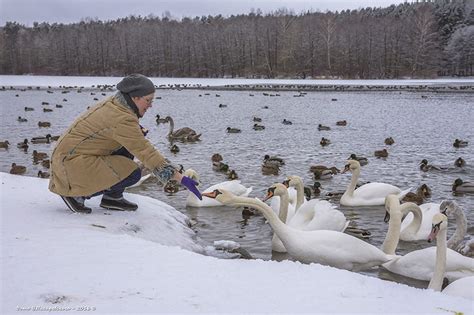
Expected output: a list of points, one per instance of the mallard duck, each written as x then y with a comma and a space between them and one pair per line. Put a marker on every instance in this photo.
44, 124
232, 175
43, 174
174, 148
47, 110
389, 141
460, 143
381, 153
323, 174
362, 160
273, 159
45, 139
29, 109
460, 186
286, 122
257, 119
17, 169
425, 167
341, 123
222, 105
160, 120
21, 119
322, 127
324, 142
46, 163
171, 187
258, 127
460, 162
216, 157
39, 155
233, 130
4, 144
270, 168
23, 145
422, 192
221, 167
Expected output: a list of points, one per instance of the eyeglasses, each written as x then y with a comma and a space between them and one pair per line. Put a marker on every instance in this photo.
149, 101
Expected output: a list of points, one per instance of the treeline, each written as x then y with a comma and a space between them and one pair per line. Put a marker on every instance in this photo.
416, 40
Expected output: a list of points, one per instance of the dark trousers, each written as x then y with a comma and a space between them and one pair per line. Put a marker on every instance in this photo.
116, 191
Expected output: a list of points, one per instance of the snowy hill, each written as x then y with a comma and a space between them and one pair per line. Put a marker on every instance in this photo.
148, 261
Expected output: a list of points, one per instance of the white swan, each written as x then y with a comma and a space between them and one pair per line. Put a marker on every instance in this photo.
371, 194
312, 215
419, 264
233, 186
324, 247
458, 241
417, 223
463, 287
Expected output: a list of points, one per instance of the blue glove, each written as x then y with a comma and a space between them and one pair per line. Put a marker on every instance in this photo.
190, 184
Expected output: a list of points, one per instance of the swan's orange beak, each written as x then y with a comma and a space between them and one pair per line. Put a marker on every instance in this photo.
434, 232
212, 195
270, 194
346, 168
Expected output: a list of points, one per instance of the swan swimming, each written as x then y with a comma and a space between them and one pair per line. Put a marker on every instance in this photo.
463, 287
330, 248
371, 194
419, 264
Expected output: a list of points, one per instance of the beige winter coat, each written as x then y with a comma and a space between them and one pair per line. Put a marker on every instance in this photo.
82, 164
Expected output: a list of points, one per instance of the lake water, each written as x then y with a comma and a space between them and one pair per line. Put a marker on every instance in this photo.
422, 127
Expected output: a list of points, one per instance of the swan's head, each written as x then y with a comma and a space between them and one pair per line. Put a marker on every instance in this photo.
351, 165
292, 181
448, 207
440, 222
392, 208
192, 174
276, 190
221, 195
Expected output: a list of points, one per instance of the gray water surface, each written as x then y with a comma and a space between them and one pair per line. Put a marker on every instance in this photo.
422, 127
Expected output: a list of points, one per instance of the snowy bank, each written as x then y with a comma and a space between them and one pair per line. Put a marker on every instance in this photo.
147, 261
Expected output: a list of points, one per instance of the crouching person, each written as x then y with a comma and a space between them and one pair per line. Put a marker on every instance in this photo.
95, 155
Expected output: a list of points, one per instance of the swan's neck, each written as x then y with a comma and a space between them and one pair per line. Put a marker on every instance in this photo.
299, 194
414, 225
461, 229
278, 226
353, 183
171, 127
284, 202
393, 234
440, 264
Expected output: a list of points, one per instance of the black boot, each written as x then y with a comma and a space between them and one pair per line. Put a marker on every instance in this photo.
76, 204
120, 204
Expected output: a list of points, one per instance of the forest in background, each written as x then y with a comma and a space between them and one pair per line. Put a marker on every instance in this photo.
417, 40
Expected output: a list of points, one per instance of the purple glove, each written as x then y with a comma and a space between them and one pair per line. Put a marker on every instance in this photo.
191, 185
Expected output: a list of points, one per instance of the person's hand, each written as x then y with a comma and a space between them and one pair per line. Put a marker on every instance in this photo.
190, 184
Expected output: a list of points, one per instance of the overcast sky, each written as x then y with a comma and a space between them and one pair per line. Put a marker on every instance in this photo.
68, 11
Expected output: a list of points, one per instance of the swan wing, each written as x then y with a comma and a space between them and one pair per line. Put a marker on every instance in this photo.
420, 264
333, 249
318, 215
376, 190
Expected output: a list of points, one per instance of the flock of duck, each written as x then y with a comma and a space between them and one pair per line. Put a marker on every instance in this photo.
315, 231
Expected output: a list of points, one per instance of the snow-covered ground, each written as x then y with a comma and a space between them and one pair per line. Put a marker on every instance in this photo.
147, 261
55, 81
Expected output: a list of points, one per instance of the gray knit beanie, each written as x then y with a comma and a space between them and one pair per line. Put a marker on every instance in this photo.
136, 85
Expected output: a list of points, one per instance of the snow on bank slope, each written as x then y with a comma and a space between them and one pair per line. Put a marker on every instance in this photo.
53, 259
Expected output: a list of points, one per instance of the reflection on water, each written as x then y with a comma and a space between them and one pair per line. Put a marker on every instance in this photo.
421, 127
